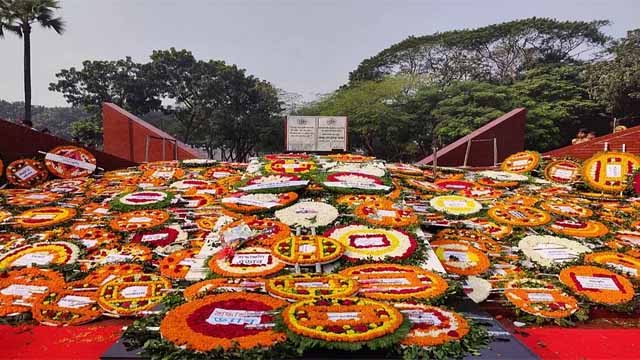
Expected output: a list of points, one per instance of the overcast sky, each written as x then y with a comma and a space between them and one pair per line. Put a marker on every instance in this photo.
302, 46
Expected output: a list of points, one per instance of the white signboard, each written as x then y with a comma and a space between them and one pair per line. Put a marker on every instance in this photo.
316, 133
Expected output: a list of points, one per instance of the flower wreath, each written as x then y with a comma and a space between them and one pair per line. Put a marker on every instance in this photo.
485, 181
70, 162
251, 261
521, 162
160, 237
5, 215
432, 326
540, 298
455, 205
384, 213
116, 254
479, 240
275, 183
625, 238
454, 184
143, 182
252, 203
624, 263
217, 173
583, 229
608, 171
396, 282
562, 171
308, 214
373, 169
93, 237
131, 294
44, 217
404, 169
351, 158
61, 307
548, 250
178, 264
353, 182
95, 210
19, 289
290, 166
264, 231
307, 250
208, 287
343, 320
141, 200
281, 156
517, 215
10, 241
108, 272
33, 199
295, 287
566, 208
479, 192
599, 285
424, 185
139, 220
167, 164
197, 201
362, 242
223, 320
26, 173
40, 254
460, 258
522, 200
355, 200
501, 176
164, 173
495, 230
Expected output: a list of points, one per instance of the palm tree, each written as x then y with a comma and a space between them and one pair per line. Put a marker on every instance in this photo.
18, 16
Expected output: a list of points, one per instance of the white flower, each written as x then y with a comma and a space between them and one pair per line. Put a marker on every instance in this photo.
547, 250
308, 214
455, 204
502, 175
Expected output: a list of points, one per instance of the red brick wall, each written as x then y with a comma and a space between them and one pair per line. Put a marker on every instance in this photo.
508, 130
125, 135
629, 137
18, 142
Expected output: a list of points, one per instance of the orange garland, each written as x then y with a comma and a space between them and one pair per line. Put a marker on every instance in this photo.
460, 258
450, 326
304, 286
139, 220
207, 287
586, 280
384, 213
61, 307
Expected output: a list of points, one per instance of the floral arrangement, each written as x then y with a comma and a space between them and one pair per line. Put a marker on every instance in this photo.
161, 237
385, 213
582, 229
165, 173
355, 200
626, 264
28, 199
370, 168
139, 220
562, 171
116, 254
396, 282
521, 162
363, 242
290, 166
274, 183
178, 264
566, 208
479, 240
26, 173
223, 320
208, 287
502, 176
404, 169
40, 254
70, 162
549, 250
131, 294
307, 250
102, 274
20, 289
350, 158
308, 214
455, 205
141, 200
252, 261
599, 285
295, 287
454, 184
460, 258
518, 215
253, 203
432, 326
480, 192
60, 307
43, 217
540, 298
608, 171
353, 182
264, 232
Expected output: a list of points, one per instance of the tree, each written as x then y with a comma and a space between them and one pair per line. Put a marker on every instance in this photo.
18, 17
496, 53
87, 132
615, 82
122, 82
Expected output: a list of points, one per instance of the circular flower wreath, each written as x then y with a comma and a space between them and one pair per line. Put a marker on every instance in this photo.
275, 183
548, 250
454, 184
373, 169
362, 242
44, 217
290, 166
624, 263
40, 254
343, 320
208, 287
61, 307
521, 162
141, 200
502, 176
308, 214
223, 320
350, 158
479, 240
253, 203
566, 208
304, 286
70, 162
583, 229
251, 261
608, 171
116, 254
517, 215
26, 173
396, 282
263, 231
599, 285
19, 289
497, 231
27, 199
385, 213
562, 171
540, 298
93, 237
178, 264
307, 250
131, 294
352, 182
432, 326
355, 200
460, 258
139, 220
455, 205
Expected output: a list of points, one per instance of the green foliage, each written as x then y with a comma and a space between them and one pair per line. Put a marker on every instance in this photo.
496, 53
57, 120
616, 82
88, 132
